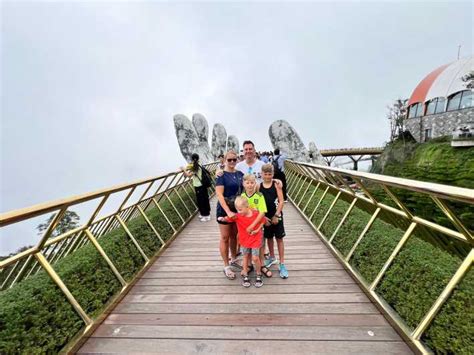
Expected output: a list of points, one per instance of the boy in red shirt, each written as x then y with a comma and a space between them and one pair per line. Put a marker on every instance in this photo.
249, 225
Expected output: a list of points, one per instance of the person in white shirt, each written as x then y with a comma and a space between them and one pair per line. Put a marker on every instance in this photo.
251, 165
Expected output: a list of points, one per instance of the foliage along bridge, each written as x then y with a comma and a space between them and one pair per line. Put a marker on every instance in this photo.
368, 273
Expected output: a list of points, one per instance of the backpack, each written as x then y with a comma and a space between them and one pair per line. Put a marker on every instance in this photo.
206, 180
276, 168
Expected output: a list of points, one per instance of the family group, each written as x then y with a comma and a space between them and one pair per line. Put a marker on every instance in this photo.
251, 193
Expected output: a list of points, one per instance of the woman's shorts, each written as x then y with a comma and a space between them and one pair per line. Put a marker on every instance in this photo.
274, 230
222, 222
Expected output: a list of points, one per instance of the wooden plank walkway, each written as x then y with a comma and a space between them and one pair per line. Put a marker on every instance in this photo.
184, 305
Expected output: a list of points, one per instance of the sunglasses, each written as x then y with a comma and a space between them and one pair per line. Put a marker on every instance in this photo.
232, 160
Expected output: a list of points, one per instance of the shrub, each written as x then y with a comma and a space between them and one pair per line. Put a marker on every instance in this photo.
36, 318
415, 279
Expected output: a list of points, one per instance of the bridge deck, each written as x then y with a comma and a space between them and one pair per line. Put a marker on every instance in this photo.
184, 304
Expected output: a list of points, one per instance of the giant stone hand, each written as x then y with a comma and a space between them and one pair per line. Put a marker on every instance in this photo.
193, 138
283, 136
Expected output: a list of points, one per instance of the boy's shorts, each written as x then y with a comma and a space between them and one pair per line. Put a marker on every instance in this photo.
274, 230
253, 251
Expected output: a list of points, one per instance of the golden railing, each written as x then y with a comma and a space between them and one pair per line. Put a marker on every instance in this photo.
49, 250
356, 187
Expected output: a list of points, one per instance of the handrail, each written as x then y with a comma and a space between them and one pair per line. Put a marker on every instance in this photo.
13, 216
444, 191
169, 189
326, 178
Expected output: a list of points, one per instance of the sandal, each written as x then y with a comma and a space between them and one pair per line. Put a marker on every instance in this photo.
266, 271
229, 273
245, 281
258, 281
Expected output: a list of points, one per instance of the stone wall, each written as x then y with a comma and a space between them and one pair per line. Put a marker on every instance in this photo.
441, 124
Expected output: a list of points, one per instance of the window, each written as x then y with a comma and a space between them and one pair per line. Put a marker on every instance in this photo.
427, 134
462, 99
435, 105
416, 110
440, 105
466, 100
431, 107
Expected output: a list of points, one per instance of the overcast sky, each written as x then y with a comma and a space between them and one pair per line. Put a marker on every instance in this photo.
89, 89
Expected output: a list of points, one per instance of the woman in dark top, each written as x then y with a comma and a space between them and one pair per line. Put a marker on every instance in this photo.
228, 185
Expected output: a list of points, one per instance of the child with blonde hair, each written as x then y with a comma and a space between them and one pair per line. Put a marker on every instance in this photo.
274, 227
256, 201
249, 225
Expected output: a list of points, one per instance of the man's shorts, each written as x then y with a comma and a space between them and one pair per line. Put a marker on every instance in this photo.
274, 230
253, 251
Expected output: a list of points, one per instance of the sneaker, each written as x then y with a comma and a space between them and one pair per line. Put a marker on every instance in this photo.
283, 271
270, 261
258, 281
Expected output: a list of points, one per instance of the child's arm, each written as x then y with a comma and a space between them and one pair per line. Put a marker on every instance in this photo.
276, 217
227, 219
257, 222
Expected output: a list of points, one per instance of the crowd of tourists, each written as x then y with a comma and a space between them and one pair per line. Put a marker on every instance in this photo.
251, 191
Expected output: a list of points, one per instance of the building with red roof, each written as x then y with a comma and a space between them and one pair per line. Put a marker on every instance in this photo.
442, 103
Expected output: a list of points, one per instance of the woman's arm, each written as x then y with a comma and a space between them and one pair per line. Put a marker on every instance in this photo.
220, 197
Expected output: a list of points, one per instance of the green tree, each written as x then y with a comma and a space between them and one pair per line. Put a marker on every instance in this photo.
69, 221
397, 113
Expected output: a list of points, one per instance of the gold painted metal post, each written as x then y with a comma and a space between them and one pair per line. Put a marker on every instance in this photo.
179, 196
312, 195
395, 252
305, 192
460, 273
299, 190
163, 213
454, 219
5, 282
151, 226
106, 258
57, 218
329, 210
292, 184
291, 181
398, 202
319, 202
134, 241
57, 280
369, 224
351, 206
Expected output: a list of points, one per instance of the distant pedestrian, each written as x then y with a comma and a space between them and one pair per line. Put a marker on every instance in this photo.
278, 163
197, 173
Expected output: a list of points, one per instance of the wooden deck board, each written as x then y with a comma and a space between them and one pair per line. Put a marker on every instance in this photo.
184, 305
